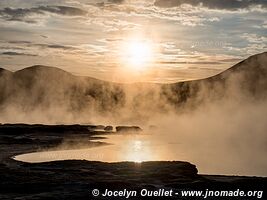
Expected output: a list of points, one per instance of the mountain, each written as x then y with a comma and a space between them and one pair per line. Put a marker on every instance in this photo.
254, 65
4, 72
250, 74
248, 77
39, 89
42, 87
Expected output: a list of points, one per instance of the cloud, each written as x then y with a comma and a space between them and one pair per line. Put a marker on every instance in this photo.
254, 38
13, 53
191, 63
116, 1
26, 48
213, 4
106, 3
19, 42
51, 46
23, 14
57, 46
44, 36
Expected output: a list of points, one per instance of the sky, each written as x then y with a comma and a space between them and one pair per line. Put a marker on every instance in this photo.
132, 40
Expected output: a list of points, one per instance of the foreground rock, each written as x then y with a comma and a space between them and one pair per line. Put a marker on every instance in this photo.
75, 180
108, 128
128, 129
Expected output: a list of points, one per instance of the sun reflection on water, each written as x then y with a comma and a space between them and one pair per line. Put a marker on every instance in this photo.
133, 148
137, 151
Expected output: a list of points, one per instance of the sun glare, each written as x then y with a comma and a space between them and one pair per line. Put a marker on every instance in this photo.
136, 151
137, 54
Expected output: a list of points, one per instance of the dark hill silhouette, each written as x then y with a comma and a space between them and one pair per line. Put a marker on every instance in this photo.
254, 64
4, 72
251, 73
248, 77
43, 86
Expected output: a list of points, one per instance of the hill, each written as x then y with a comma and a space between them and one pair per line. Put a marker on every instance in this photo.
42, 89
247, 78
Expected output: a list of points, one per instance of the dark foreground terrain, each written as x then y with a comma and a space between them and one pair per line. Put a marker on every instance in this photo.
76, 179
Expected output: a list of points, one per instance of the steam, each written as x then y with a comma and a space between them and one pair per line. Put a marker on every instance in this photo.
220, 122
221, 138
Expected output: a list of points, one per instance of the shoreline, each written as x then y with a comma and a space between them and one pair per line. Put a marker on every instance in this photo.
74, 179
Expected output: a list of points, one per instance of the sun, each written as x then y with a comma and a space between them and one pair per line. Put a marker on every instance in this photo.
140, 54
137, 54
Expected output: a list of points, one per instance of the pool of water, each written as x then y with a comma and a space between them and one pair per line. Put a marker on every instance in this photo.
151, 147
129, 147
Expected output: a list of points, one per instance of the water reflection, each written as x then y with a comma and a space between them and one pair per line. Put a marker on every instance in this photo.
130, 147
150, 147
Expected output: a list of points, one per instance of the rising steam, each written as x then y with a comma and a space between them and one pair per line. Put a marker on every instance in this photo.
220, 119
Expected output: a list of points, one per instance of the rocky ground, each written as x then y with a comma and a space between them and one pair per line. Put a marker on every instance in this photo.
76, 179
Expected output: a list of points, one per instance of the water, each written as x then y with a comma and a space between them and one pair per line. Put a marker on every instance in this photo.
150, 147
129, 147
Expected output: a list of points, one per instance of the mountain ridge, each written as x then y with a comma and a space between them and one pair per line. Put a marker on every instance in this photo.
37, 68
39, 89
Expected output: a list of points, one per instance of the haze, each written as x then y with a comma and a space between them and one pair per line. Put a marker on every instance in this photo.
163, 41
181, 40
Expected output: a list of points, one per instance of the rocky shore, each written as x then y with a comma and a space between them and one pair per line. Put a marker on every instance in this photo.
74, 179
